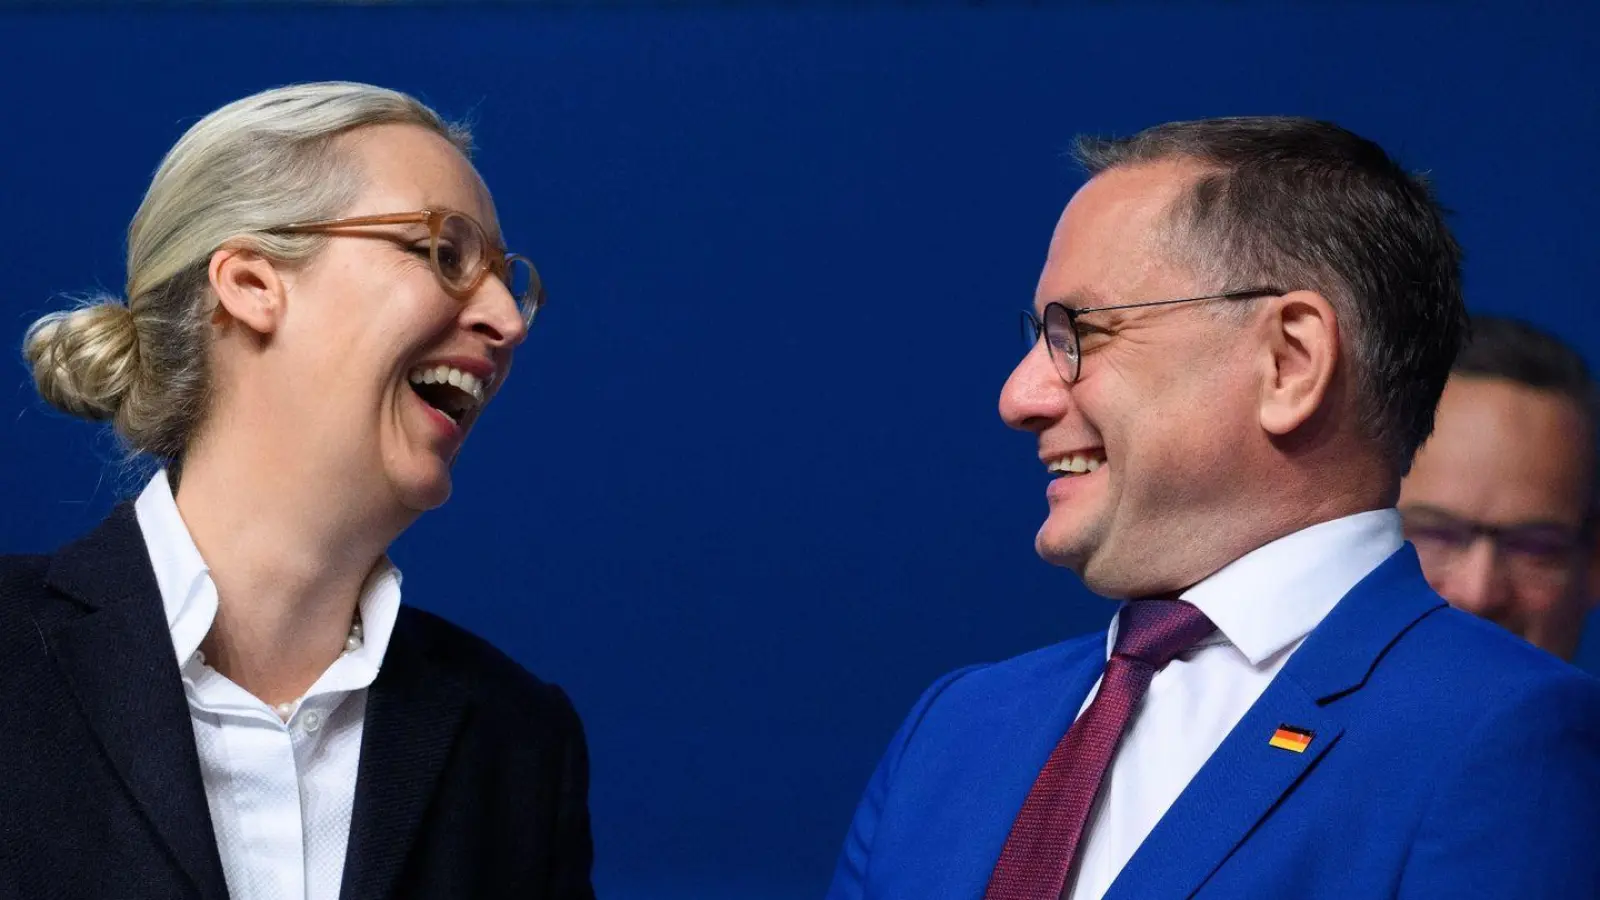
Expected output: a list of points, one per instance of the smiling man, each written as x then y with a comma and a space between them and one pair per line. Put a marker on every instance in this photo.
1501, 500
1240, 336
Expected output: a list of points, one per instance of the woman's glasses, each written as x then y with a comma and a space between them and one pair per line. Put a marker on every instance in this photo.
459, 249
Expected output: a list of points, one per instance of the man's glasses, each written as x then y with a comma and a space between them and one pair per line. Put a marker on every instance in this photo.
460, 251
1060, 326
1540, 550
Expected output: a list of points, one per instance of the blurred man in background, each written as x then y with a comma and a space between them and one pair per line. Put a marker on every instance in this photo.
1500, 501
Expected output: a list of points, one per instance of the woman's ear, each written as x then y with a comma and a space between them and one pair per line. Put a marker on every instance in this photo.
248, 288
1302, 353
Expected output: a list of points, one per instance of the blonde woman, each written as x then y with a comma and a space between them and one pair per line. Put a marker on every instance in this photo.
218, 693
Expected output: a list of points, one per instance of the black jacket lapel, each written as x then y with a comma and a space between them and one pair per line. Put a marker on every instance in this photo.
119, 661
414, 713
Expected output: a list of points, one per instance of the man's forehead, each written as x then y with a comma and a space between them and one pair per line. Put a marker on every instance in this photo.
1114, 234
1107, 270
1138, 197
1479, 401
1506, 450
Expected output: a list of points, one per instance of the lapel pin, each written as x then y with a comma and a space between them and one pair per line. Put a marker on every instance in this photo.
1287, 737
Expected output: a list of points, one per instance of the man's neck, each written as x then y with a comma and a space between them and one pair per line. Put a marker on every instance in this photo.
1293, 507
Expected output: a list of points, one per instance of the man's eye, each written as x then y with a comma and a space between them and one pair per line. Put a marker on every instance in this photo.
1439, 534
1090, 336
1550, 546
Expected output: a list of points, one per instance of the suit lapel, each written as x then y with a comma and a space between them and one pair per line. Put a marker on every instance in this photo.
1247, 777
1230, 794
119, 663
414, 714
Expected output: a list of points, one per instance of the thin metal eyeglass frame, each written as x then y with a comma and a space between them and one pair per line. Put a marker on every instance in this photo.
1037, 327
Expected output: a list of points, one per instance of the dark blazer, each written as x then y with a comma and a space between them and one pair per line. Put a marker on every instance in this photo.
1449, 759
473, 779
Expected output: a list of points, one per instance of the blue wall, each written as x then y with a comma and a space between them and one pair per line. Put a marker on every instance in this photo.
747, 493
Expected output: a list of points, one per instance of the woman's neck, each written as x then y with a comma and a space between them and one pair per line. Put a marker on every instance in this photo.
289, 558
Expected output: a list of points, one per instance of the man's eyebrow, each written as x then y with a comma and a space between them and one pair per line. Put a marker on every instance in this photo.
1435, 512
1426, 510
1080, 298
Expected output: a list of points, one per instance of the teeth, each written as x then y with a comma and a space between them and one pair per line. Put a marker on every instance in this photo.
1077, 464
466, 381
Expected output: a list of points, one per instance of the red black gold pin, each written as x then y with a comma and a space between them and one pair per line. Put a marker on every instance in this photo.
1288, 737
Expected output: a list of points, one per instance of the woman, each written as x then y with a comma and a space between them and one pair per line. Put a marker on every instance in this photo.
217, 693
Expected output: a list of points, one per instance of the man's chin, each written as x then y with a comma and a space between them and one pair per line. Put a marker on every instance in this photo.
1061, 550
1085, 555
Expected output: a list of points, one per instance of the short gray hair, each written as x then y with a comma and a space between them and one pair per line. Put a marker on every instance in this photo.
1302, 204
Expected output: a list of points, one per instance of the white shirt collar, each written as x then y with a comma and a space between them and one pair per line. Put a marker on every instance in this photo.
190, 596
1269, 599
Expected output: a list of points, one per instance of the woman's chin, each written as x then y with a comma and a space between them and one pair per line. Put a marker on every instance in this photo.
417, 463
421, 491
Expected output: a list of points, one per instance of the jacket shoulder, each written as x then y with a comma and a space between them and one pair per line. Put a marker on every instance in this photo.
22, 583
22, 573
1455, 687
493, 677
1043, 668
1016, 689
1481, 658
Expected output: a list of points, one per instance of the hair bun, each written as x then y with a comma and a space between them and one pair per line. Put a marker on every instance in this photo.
85, 360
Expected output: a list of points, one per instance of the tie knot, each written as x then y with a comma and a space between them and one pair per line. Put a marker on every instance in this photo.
1157, 631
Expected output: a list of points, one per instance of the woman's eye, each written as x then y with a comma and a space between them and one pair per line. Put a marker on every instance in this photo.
449, 260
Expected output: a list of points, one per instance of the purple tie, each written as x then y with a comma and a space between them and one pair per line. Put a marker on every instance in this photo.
1044, 840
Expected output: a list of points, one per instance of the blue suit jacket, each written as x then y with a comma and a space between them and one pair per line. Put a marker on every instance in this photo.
1450, 760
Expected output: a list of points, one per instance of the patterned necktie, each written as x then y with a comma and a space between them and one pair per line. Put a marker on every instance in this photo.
1046, 837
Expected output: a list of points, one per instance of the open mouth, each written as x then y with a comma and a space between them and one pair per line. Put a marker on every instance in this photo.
454, 393
1082, 462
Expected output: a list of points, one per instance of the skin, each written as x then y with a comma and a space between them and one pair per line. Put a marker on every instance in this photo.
1221, 429
316, 454
1508, 455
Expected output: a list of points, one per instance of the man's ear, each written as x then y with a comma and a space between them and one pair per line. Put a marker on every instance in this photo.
1302, 353
249, 289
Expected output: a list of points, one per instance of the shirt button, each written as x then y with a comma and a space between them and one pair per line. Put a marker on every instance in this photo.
311, 721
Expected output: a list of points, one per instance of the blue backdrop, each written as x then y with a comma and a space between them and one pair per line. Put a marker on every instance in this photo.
747, 493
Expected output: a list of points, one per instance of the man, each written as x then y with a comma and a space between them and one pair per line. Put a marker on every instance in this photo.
1245, 327
1501, 500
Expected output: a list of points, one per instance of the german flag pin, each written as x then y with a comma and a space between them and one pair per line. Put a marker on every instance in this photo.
1288, 737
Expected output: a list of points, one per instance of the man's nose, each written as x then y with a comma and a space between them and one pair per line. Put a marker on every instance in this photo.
1034, 395
1477, 580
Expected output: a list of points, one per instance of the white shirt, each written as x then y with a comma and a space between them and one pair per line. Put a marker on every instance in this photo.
1263, 604
280, 792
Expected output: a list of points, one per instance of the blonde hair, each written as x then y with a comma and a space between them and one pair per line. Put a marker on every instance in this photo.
264, 161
